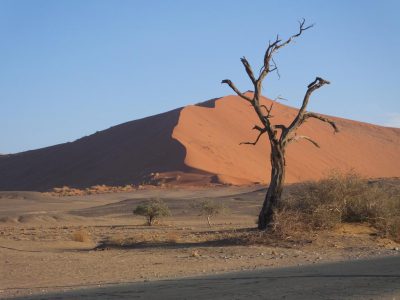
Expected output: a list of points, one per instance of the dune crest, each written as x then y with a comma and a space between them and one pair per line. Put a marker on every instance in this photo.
199, 145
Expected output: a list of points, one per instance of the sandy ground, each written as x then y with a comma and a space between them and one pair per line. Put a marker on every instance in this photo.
38, 253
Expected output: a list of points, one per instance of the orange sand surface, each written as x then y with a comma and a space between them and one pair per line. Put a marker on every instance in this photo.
211, 136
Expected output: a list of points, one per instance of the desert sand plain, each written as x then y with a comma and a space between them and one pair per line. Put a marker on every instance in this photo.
51, 243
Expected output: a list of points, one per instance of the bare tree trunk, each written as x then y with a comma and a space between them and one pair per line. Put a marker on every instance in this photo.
279, 135
275, 188
209, 221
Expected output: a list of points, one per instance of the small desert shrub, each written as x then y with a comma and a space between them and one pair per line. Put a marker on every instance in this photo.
116, 240
344, 198
209, 209
152, 210
81, 236
289, 223
390, 227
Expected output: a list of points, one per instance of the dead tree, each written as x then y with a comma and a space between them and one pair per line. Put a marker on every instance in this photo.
279, 135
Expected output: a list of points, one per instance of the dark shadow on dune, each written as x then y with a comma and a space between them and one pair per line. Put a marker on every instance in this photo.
123, 154
208, 104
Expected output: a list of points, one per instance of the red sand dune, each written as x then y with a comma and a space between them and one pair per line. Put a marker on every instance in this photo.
199, 144
211, 137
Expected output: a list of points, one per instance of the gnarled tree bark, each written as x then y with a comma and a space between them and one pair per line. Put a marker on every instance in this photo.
279, 135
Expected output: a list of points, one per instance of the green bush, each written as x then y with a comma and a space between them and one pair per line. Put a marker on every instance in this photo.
152, 210
209, 208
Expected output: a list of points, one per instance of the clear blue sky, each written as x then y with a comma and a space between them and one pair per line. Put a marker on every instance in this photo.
70, 68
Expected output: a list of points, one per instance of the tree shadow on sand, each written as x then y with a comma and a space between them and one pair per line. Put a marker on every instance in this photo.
220, 238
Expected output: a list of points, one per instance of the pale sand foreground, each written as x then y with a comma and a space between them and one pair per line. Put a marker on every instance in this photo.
362, 279
38, 255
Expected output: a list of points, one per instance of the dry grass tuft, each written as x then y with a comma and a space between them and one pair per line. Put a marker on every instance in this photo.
81, 236
173, 237
117, 240
340, 198
290, 224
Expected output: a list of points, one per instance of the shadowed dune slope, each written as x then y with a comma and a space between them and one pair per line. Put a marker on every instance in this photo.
211, 136
120, 155
199, 144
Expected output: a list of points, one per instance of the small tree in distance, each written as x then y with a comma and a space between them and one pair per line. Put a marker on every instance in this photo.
279, 135
209, 208
152, 210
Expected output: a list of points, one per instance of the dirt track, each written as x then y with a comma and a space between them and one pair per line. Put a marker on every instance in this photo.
364, 279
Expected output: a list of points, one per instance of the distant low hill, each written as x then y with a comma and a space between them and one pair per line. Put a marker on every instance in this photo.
199, 144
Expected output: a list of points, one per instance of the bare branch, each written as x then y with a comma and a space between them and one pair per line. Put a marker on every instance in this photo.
263, 106
318, 80
275, 46
313, 86
234, 88
271, 106
265, 69
275, 68
248, 68
280, 98
256, 127
261, 130
302, 28
280, 126
321, 118
270, 50
298, 137
268, 115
